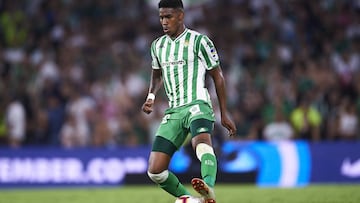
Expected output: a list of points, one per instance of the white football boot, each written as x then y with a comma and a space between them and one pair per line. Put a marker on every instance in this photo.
204, 190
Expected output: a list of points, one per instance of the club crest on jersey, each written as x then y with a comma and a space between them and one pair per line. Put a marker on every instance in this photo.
186, 43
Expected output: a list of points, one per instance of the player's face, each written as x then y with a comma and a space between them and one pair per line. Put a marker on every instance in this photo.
172, 21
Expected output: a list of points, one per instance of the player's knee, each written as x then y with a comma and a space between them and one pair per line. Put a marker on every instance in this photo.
158, 177
202, 149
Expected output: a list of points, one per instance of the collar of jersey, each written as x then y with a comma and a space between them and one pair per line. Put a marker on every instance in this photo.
178, 37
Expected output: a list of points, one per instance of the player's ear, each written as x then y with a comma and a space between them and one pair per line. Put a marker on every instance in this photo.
181, 14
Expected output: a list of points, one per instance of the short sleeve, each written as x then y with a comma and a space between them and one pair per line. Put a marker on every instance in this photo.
208, 53
155, 61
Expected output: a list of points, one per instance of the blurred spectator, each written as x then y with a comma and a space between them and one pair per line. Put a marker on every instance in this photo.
279, 129
102, 135
346, 65
55, 111
16, 122
81, 112
3, 127
245, 130
306, 120
347, 126
71, 133
14, 25
39, 131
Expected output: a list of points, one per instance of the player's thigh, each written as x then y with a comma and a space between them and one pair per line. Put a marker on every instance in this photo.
158, 162
174, 131
201, 130
169, 138
201, 123
161, 153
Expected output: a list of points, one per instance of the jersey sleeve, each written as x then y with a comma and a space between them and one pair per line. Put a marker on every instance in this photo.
155, 61
208, 53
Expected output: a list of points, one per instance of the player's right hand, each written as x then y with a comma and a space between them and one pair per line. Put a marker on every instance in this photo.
147, 107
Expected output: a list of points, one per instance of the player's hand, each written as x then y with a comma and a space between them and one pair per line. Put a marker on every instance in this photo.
148, 106
228, 124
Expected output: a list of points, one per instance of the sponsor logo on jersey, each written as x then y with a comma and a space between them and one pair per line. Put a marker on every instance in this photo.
173, 63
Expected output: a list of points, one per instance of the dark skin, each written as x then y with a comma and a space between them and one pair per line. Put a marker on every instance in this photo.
172, 21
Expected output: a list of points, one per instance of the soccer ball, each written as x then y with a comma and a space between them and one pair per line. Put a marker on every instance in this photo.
187, 199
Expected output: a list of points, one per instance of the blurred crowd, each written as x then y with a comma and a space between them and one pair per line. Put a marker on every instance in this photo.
75, 73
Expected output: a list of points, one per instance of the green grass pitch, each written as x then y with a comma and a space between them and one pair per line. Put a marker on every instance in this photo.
226, 193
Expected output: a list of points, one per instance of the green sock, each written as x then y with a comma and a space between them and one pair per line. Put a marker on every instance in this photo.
173, 186
209, 169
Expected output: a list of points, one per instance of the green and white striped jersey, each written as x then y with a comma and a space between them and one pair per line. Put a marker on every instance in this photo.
184, 62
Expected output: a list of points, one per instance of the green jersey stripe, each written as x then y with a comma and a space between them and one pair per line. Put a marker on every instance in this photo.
186, 66
179, 79
207, 60
173, 75
196, 64
161, 57
167, 76
190, 66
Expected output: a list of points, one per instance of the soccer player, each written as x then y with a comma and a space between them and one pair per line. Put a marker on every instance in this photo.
180, 60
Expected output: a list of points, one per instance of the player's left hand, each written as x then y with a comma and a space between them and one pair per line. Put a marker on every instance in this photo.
228, 124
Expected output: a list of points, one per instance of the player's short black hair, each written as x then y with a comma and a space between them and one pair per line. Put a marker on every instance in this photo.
171, 4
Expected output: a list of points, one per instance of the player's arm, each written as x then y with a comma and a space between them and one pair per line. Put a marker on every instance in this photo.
219, 81
155, 84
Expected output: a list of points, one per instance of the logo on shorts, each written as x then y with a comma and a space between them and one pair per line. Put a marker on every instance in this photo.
202, 130
195, 110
